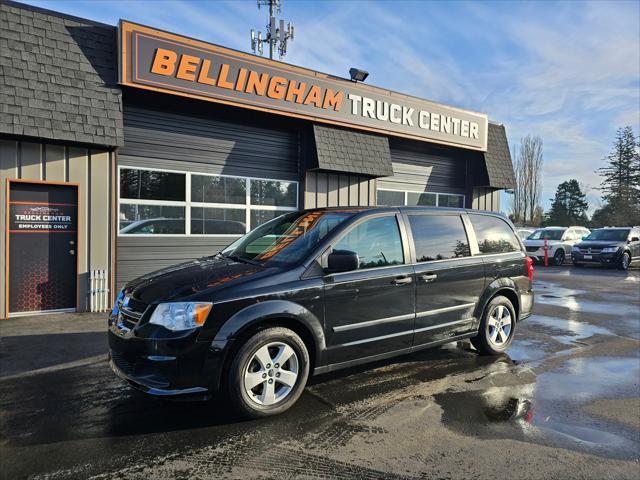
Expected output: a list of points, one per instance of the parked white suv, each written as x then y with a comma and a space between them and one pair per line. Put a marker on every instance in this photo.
559, 240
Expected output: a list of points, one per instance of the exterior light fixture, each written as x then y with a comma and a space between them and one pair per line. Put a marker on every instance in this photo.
358, 75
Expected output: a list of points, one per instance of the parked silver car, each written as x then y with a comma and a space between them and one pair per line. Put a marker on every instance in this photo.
559, 241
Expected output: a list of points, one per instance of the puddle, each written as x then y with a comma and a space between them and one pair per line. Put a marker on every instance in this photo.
549, 410
526, 351
588, 306
543, 288
576, 330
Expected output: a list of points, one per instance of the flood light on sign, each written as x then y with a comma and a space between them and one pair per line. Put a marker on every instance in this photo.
358, 75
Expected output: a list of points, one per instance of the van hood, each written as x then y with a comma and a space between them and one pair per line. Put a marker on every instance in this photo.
188, 279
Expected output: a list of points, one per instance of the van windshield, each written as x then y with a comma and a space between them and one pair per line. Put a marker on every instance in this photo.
609, 234
287, 239
551, 234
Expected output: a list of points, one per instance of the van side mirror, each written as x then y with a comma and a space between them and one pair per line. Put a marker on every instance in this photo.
635, 239
583, 238
342, 261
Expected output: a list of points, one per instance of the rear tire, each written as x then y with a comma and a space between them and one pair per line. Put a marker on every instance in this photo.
258, 384
625, 261
558, 258
497, 327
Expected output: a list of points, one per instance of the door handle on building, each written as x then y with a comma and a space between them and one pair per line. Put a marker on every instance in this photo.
402, 280
428, 277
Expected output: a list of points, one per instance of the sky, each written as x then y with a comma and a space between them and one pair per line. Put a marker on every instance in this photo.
566, 71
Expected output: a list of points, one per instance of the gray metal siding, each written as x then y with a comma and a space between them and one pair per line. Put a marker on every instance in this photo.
158, 139
420, 167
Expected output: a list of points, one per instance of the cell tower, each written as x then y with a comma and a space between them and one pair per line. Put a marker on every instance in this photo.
275, 37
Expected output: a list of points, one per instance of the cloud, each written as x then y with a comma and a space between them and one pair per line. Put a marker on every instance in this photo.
567, 71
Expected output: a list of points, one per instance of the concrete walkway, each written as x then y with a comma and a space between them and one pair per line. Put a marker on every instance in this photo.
40, 343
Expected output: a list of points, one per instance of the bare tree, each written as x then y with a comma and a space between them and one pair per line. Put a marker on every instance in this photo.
528, 171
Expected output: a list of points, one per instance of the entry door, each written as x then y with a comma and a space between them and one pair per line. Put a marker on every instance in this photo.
449, 280
371, 310
42, 246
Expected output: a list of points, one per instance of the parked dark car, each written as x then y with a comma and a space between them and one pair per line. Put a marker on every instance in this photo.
315, 291
612, 246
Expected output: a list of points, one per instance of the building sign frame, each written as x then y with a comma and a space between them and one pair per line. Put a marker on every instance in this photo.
156, 60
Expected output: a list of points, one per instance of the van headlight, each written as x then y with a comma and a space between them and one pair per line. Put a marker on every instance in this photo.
610, 249
181, 315
575, 249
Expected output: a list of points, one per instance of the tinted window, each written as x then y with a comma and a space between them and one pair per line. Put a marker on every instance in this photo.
258, 217
151, 219
152, 185
455, 201
438, 237
549, 233
214, 189
218, 221
388, 197
494, 235
376, 241
425, 199
609, 234
271, 192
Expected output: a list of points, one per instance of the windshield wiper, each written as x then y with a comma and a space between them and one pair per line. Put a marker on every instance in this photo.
239, 259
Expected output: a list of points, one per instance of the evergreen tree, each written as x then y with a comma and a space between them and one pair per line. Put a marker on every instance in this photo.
622, 173
621, 182
569, 207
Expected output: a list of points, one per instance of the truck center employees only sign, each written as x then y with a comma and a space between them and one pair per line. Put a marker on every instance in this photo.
161, 61
29, 218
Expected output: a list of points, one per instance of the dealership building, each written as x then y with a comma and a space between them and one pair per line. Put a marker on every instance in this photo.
124, 149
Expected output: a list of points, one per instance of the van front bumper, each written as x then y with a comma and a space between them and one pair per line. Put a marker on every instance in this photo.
165, 367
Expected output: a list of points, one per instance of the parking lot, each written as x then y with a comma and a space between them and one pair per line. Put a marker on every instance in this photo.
563, 403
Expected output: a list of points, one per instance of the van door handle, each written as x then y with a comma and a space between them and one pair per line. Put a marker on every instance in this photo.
428, 277
402, 280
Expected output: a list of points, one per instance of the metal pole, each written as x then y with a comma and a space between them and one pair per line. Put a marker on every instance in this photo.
271, 34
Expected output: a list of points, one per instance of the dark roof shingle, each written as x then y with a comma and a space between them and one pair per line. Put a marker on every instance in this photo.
345, 150
58, 77
498, 159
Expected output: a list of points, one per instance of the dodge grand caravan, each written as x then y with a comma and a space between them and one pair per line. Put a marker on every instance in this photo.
314, 291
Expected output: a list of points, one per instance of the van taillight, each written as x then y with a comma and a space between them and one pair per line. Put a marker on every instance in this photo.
530, 269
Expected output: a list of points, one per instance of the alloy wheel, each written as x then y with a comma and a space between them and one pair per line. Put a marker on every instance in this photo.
499, 325
271, 373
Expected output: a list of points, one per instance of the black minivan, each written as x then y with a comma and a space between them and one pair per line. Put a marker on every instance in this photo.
314, 291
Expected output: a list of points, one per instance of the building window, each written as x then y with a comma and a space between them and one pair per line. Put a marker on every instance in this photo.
160, 202
398, 198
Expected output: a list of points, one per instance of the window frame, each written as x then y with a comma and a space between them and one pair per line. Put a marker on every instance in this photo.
473, 247
466, 223
404, 242
406, 196
247, 207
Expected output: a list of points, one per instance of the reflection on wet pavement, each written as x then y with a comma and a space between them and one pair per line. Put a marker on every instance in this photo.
433, 414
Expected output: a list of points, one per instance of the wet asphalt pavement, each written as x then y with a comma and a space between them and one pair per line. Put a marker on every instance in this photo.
563, 403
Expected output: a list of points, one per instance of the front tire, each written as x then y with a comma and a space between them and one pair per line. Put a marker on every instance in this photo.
497, 327
625, 261
268, 373
558, 258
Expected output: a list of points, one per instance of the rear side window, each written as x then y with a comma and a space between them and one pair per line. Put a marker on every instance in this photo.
494, 235
376, 241
439, 237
